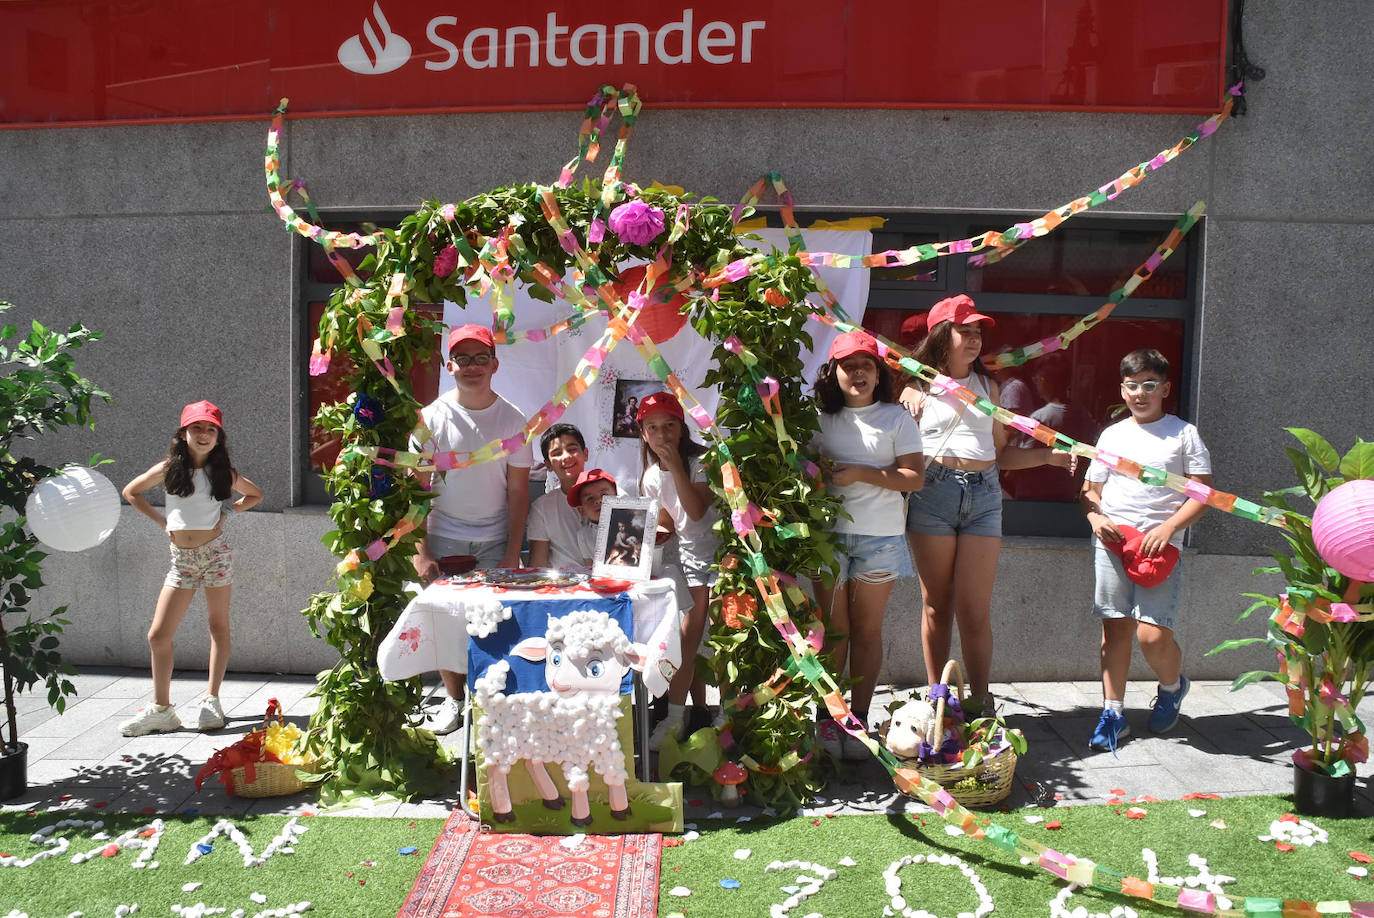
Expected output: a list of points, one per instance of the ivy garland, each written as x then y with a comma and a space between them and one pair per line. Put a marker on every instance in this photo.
365, 731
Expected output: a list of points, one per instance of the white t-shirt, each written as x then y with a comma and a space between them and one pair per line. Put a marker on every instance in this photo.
470, 503
568, 532
955, 429
695, 535
1171, 444
874, 435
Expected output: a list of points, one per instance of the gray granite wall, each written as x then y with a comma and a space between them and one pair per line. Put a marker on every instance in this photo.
162, 238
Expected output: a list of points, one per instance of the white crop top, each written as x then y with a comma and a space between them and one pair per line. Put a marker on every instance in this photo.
198, 511
964, 431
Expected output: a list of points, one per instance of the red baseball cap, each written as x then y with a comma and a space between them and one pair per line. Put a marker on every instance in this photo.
201, 411
471, 333
855, 342
913, 329
587, 477
957, 309
659, 401
1146, 571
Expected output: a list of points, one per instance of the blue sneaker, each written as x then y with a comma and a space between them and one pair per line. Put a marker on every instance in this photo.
1111, 729
1166, 705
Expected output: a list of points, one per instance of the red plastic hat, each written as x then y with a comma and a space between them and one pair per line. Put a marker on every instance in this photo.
587, 477
957, 309
855, 342
913, 329
201, 411
1146, 571
659, 401
470, 333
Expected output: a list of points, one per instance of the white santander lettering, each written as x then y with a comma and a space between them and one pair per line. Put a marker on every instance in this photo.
492, 59
706, 44
641, 32
442, 43
586, 45
551, 41
683, 25
575, 45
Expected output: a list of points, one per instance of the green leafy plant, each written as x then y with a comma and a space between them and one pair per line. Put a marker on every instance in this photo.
39, 391
1324, 645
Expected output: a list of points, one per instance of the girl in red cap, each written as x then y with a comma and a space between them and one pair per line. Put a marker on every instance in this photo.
955, 523
876, 450
197, 477
673, 473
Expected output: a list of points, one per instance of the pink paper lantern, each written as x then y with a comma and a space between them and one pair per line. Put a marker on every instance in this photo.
1343, 529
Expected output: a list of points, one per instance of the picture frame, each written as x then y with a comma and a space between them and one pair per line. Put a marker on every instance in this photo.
621, 549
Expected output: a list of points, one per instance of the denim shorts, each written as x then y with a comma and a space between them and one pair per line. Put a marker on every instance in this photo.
871, 558
208, 565
488, 552
1118, 596
956, 503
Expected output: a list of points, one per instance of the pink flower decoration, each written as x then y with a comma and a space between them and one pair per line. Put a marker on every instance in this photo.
448, 212
1343, 612
446, 262
636, 222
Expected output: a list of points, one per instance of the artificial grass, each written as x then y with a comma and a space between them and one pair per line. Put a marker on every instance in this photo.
327, 868
1101, 833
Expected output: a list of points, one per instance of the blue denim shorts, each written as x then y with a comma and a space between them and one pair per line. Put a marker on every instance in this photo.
956, 503
1118, 596
873, 559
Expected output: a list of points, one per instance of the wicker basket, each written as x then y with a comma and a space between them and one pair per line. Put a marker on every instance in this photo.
993, 774
261, 778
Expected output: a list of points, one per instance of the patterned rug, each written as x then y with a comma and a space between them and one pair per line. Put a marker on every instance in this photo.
471, 872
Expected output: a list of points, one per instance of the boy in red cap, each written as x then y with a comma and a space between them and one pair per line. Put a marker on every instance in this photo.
479, 510
557, 532
1131, 598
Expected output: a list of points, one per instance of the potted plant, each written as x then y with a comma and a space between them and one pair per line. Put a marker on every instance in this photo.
39, 391
1321, 627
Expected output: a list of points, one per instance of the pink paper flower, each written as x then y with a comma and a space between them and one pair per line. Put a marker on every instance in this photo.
446, 262
636, 222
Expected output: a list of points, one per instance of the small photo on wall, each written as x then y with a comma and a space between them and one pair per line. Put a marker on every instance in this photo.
628, 394
622, 551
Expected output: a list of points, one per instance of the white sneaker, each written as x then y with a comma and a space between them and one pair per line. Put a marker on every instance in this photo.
151, 719
659, 733
448, 718
209, 714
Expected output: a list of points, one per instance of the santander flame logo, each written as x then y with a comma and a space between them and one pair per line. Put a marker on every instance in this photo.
379, 55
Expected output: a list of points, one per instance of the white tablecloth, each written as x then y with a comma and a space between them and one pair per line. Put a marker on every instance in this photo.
431, 633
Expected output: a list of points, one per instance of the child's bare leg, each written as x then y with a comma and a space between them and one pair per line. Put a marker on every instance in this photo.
1117, 635
934, 556
701, 598
1161, 651
693, 624
868, 602
217, 603
172, 604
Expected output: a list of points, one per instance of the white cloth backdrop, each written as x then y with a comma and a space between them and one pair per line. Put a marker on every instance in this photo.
530, 372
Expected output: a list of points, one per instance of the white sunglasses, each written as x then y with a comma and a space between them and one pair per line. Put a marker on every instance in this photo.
1147, 387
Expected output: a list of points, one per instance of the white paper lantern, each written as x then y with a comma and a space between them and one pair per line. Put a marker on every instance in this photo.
74, 510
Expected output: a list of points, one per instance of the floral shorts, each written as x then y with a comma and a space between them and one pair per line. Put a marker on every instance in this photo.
208, 565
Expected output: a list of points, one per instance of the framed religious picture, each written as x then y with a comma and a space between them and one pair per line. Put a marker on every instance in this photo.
623, 551
625, 410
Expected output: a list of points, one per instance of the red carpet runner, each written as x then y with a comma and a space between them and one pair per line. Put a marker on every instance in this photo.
473, 873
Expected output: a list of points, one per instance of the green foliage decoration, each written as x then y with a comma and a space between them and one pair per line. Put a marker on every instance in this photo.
364, 731
39, 392
1319, 658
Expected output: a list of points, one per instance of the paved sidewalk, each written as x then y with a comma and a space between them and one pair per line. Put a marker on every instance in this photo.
1225, 743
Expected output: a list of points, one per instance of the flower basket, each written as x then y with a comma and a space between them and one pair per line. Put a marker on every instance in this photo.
264, 763
983, 783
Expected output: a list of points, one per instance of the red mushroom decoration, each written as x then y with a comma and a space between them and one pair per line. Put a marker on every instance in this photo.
729, 776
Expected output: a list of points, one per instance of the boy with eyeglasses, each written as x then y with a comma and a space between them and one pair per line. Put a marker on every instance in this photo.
1138, 529
479, 510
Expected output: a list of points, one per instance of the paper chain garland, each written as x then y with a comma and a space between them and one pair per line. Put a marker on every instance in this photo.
777, 588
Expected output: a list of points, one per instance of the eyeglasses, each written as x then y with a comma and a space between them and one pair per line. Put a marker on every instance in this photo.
1147, 387
463, 360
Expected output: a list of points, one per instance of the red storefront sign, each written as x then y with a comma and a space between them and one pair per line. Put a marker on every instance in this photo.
84, 61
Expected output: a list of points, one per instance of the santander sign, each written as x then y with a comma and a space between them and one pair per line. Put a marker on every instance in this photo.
682, 39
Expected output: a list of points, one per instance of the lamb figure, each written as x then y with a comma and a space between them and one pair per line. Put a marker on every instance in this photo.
586, 655
911, 725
